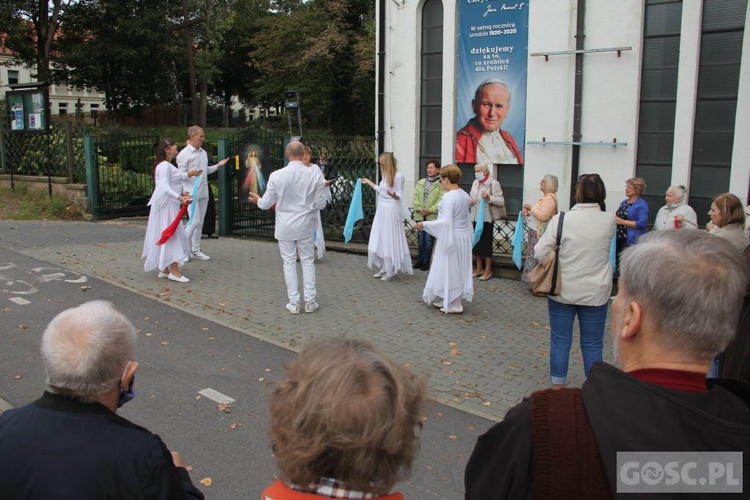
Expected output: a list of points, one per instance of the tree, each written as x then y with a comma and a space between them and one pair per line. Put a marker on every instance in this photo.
325, 49
126, 50
30, 28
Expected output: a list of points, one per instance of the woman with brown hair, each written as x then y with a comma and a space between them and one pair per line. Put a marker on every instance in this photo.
728, 220
450, 280
345, 420
165, 205
387, 248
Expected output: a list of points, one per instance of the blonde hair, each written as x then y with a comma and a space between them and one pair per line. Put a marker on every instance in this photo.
349, 412
639, 185
389, 167
550, 183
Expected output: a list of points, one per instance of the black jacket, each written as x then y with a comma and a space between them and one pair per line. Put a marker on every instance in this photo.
62, 448
626, 414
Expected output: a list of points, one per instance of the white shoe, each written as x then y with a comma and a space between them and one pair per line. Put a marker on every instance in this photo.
438, 304
162, 275
379, 274
181, 279
385, 277
199, 255
457, 310
293, 308
311, 307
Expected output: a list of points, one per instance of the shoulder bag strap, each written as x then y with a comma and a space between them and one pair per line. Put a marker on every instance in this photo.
555, 268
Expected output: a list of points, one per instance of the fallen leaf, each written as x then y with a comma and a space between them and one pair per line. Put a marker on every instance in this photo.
23, 327
211, 338
234, 426
471, 427
224, 408
222, 304
206, 481
535, 323
486, 403
455, 352
261, 379
165, 343
17, 377
452, 344
446, 362
198, 397
204, 329
267, 370
452, 437
543, 353
149, 334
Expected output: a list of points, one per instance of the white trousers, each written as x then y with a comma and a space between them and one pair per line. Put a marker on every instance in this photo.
306, 250
194, 229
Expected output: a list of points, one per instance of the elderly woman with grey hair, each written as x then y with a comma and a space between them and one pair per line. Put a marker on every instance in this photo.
537, 218
675, 214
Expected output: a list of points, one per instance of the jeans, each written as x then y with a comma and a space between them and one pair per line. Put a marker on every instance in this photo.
591, 319
425, 241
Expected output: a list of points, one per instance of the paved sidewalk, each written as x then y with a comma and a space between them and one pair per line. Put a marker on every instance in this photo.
482, 362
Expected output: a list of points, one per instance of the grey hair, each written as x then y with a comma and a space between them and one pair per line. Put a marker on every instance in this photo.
86, 349
490, 81
295, 148
194, 130
690, 285
680, 190
551, 183
487, 167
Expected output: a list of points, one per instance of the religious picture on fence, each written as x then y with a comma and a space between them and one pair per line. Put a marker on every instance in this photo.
252, 179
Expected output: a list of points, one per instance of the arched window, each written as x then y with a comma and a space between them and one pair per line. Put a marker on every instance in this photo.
431, 80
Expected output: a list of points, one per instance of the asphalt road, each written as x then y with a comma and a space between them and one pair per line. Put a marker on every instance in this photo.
180, 355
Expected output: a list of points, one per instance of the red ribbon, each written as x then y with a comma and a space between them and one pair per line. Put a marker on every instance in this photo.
169, 231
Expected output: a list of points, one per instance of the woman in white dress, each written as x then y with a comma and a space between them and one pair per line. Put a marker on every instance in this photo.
387, 248
318, 239
165, 205
450, 281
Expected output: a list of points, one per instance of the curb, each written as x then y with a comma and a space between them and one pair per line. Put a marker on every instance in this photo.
4, 406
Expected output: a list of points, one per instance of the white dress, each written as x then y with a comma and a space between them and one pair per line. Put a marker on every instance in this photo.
387, 248
450, 272
318, 238
165, 205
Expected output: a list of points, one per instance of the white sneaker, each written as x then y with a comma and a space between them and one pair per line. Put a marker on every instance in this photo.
385, 277
162, 275
293, 308
311, 307
438, 304
379, 274
199, 255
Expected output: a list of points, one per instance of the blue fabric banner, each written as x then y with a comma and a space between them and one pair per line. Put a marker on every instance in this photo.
196, 183
355, 211
518, 241
480, 223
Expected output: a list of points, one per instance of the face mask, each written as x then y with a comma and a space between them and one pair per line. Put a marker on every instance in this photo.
479, 175
673, 206
126, 395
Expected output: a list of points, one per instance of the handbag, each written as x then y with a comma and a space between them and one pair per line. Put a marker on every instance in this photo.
545, 277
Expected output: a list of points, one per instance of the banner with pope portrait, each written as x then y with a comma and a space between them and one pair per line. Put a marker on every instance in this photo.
491, 89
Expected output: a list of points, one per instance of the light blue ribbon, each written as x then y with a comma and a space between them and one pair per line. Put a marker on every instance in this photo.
191, 210
480, 223
518, 241
613, 253
355, 211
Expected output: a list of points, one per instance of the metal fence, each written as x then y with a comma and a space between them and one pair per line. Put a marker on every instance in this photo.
56, 154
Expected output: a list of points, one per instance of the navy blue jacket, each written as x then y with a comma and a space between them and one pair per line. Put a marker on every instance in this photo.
62, 448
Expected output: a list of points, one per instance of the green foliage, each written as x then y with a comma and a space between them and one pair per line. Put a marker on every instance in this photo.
27, 204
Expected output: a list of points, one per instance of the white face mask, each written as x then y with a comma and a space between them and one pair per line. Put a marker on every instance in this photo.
479, 175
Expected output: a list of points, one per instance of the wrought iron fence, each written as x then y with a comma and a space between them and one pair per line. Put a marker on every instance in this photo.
58, 153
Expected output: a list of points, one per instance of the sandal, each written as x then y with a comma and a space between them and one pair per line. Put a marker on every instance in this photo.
485, 277
477, 273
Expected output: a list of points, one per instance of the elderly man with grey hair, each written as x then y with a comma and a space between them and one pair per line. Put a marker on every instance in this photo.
675, 214
678, 304
482, 140
70, 443
297, 191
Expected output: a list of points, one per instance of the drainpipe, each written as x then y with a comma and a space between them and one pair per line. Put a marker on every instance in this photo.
575, 159
381, 78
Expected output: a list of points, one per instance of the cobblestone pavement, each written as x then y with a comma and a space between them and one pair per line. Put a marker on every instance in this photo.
482, 362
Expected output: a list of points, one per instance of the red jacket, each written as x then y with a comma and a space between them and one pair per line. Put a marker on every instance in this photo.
468, 137
280, 491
